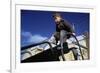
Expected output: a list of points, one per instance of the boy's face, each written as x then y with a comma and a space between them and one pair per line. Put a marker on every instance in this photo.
57, 19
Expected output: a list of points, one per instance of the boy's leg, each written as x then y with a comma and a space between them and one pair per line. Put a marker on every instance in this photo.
63, 39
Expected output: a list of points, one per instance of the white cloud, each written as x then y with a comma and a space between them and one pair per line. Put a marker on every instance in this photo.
36, 38
30, 38
26, 34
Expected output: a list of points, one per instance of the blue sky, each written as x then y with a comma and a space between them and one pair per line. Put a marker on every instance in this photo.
37, 26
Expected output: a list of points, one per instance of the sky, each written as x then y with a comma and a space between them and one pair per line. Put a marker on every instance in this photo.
37, 26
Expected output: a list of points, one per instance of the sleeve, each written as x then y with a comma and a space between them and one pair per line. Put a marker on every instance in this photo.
68, 26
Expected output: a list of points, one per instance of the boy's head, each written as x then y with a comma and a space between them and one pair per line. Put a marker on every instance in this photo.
57, 17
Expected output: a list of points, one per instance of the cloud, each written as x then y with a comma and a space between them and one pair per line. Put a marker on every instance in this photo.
26, 34
29, 38
36, 38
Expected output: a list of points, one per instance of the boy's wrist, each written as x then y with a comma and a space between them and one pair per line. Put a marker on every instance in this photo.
73, 33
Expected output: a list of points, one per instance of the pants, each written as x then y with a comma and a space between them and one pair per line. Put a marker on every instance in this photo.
63, 37
64, 45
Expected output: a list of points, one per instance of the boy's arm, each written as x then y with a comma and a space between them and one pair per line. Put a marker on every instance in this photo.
68, 25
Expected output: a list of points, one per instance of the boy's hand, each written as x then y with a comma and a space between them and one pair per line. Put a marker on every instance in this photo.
73, 33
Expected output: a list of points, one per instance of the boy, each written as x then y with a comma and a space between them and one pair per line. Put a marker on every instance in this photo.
62, 29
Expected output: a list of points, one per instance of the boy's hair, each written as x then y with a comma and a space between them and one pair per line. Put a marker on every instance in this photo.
56, 14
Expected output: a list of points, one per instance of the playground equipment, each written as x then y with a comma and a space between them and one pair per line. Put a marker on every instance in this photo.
52, 53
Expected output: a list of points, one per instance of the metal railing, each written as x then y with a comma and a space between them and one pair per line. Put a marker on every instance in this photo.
44, 42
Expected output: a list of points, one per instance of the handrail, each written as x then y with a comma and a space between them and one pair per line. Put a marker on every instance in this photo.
27, 52
26, 47
81, 46
78, 45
